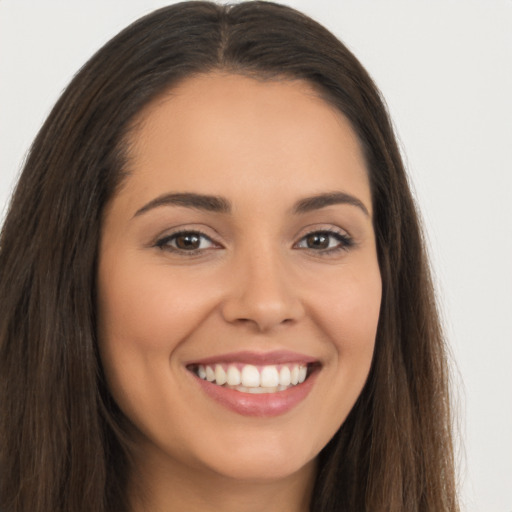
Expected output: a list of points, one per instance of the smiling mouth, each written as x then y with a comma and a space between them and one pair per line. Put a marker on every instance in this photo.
255, 379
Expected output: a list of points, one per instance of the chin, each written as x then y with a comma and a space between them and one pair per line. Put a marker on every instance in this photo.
263, 469
261, 454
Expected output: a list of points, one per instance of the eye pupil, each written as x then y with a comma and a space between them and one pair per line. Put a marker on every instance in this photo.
317, 241
189, 241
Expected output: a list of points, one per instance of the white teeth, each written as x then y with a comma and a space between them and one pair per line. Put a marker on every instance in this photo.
250, 376
220, 375
266, 379
285, 376
234, 377
260, 390
210, 374
294, 375
269, 377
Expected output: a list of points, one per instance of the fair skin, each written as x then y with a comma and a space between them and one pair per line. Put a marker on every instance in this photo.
281, 263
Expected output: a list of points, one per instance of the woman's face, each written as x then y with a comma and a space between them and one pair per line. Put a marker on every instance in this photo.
240, 248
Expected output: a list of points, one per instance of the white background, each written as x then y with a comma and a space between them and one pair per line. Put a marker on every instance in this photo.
445, 69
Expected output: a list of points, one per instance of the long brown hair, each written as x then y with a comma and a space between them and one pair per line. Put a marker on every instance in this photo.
62, 446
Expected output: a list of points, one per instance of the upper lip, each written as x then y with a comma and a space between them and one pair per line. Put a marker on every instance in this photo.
256, 358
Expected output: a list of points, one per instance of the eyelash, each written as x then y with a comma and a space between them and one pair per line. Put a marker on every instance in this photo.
344, 242
164, 243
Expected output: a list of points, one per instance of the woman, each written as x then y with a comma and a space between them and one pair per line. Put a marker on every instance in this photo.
214, 291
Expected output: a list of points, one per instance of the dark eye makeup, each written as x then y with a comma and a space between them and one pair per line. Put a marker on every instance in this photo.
325, 241
190, 242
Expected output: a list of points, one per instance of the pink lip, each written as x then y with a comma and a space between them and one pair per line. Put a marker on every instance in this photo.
263, 405
259, 405
256, 358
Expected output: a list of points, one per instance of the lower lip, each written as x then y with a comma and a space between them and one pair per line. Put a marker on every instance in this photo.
262, 405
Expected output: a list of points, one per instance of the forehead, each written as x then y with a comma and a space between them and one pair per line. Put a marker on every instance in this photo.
220, 133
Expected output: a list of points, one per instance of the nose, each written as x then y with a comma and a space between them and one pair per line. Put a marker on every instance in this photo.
263, 293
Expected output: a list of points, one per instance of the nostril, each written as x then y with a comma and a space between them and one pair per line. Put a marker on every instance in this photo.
258, 310
262, 323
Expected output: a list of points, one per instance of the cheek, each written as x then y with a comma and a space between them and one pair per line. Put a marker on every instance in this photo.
348, 307
348, 312
354, 317
148, 307
145, 312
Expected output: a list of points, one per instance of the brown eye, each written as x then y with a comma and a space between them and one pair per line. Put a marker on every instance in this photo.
318, 241
186, 241
325, 241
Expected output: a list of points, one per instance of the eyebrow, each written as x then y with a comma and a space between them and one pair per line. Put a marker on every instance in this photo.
218, 204
189, 200
319, 201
